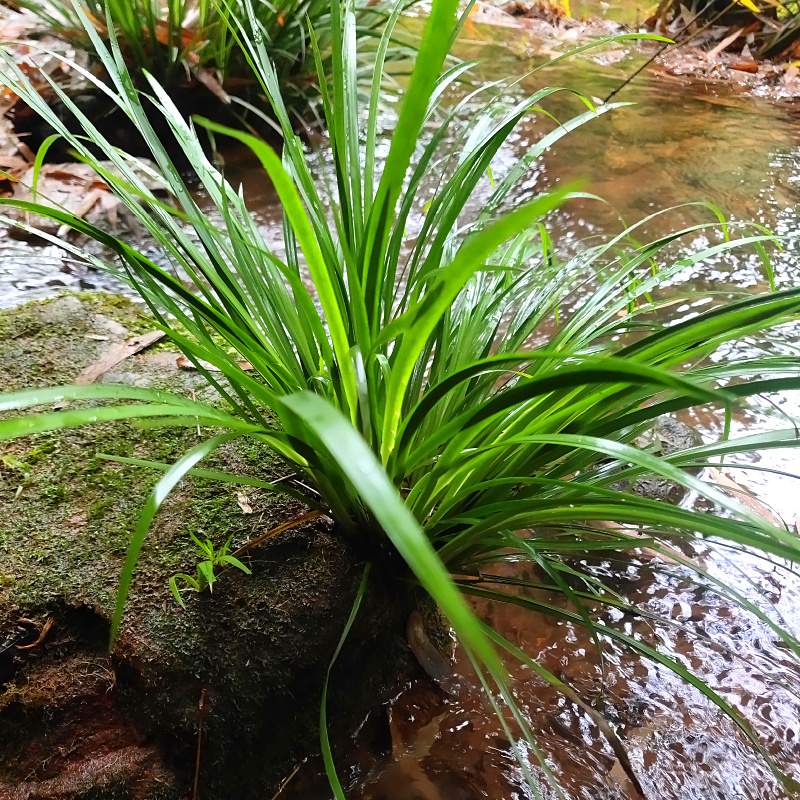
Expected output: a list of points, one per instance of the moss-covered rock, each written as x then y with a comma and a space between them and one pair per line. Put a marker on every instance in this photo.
239, 671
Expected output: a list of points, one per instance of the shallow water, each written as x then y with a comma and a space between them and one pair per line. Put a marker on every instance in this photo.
680, 746
678, 144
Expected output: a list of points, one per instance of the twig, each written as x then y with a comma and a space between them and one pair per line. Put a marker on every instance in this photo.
286, 782
714, 52
45, 630
284, 526
203, 710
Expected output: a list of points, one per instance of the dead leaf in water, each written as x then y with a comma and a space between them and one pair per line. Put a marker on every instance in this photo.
745, 497
745, 66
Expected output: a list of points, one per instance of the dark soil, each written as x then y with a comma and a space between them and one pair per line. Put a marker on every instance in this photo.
76, 722
117, 128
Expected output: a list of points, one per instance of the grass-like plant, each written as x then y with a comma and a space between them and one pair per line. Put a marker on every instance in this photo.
205, 577
445, 389
192, 42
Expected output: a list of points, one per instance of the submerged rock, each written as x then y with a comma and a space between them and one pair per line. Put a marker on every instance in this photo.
668, 435
238, 674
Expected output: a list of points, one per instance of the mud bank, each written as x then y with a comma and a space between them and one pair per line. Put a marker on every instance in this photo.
239, 671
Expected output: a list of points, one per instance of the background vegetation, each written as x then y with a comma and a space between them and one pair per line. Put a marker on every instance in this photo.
193, 43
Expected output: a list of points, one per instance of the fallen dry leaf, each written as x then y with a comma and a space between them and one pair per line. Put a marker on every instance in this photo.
206, 77
284, 526
76, 188
26, 152
163, 31
82, 209
115, 354
13, 164
244, 502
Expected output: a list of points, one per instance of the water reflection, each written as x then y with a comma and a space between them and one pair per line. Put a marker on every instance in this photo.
30, 272
448, 745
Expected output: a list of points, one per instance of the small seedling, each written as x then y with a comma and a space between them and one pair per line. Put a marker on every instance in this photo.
11, 462
205, 578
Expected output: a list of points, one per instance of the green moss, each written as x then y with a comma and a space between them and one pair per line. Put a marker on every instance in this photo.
261, 644
119, 308
67, 514
76, 512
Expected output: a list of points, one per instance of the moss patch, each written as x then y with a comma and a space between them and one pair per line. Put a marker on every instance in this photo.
256, 650
66, 514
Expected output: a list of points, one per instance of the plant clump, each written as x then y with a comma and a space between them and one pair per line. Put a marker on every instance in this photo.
444, 386
194, 50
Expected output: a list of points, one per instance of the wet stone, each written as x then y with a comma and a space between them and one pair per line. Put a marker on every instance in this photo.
66, 310
668, 435
77, 723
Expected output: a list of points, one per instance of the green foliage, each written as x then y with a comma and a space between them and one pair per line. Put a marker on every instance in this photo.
204, 578
12, 462
446, 389
188, 41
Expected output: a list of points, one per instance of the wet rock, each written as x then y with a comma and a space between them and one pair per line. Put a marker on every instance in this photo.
106, 325
65, 311
670, 436
78, 723
667, 436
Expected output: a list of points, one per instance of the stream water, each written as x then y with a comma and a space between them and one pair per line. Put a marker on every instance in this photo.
677, 144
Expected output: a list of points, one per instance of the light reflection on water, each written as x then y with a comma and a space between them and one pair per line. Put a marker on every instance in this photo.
28, 272
449, 746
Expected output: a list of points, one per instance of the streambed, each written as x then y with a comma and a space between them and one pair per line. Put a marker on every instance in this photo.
677, 145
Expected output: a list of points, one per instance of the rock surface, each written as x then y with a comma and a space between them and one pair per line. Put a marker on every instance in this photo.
239, 671
668, 435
